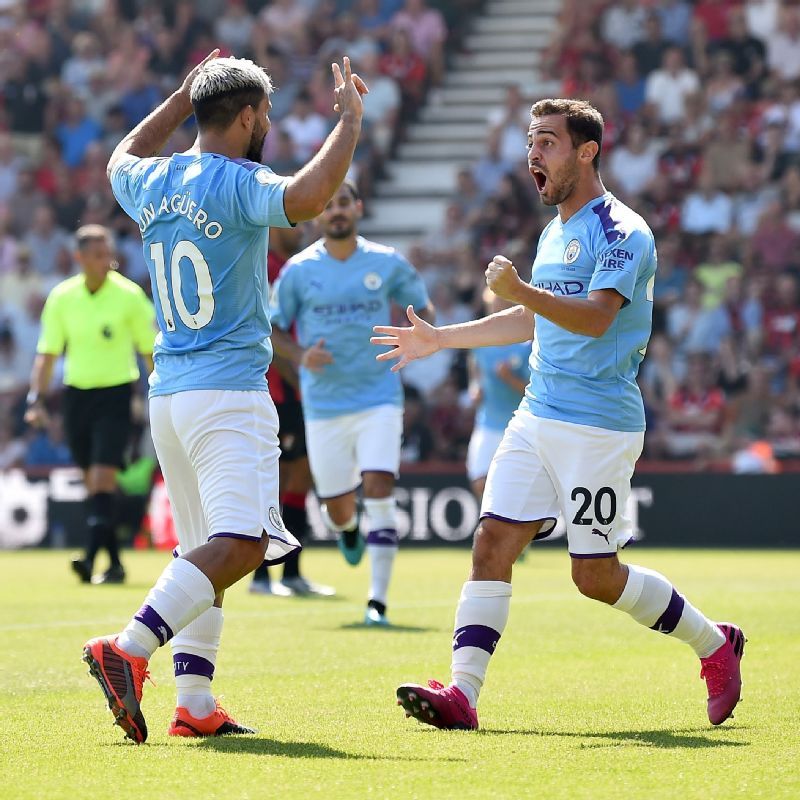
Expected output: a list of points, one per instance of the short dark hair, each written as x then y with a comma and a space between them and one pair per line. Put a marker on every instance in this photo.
352, 187
219, 111
87, 234
584, 121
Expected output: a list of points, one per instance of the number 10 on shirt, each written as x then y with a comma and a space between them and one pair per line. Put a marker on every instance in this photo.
205, 291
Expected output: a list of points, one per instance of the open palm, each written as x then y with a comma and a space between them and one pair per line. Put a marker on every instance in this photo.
408, 344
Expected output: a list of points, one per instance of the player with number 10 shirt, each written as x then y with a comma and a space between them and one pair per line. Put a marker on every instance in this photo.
205, 217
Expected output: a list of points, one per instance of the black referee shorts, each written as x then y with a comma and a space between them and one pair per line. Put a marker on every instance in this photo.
291, 428
97, 423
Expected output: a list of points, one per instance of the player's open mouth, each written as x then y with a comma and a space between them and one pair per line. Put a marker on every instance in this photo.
540, 178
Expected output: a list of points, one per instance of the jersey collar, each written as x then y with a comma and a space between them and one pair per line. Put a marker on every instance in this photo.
585, 208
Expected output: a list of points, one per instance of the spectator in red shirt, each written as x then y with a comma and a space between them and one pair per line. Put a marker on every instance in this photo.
407, 68
696, 413
714, 15
782, 319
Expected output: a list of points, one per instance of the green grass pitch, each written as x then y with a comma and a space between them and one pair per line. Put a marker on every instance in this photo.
580, 701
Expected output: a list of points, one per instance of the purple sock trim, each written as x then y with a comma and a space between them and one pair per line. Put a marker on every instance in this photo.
386, 537
189, 664
669, 620
476, 636
152, 620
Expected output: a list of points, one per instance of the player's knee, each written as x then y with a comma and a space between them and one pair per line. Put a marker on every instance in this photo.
592, 579
491, 557
246, 554
377, 485
337, 517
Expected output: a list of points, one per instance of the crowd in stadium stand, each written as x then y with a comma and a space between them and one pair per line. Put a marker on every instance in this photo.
702, 109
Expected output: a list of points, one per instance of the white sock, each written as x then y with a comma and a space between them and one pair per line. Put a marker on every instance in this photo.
481, 618
381, 560
181, 594
381, 544
194, 657
653, 601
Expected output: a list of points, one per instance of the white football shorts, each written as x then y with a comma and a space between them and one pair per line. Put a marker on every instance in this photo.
483, 445
218, 451
544, 467
341, 448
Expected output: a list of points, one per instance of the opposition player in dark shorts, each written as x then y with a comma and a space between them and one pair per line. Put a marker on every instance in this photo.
295, 474
101, 320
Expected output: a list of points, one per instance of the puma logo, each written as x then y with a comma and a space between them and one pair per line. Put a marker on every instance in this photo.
597, 532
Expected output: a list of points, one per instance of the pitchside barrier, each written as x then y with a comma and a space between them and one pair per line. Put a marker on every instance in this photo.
669, 508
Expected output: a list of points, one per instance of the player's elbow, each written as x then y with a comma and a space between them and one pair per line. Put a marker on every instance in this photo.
597, 328
599, 322
300, 205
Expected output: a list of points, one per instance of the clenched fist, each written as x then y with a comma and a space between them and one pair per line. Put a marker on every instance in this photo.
502, 278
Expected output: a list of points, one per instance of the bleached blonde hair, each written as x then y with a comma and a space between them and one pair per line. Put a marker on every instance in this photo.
222, 75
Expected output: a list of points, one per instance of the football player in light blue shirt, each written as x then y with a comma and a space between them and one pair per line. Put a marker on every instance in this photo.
572, 446
204, 216
336, 291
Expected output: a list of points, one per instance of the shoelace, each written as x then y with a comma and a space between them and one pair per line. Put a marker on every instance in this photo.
141, 674
225, 714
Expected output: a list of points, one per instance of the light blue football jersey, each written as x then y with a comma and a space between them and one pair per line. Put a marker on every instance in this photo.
340, 302
205, 224
580, 379
499, 400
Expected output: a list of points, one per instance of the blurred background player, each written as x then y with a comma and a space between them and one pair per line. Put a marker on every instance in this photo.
205, 216
336, 290
500, 375
101, 320
572, 446
293, 469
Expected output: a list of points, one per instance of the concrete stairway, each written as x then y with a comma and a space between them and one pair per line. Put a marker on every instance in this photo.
503, 47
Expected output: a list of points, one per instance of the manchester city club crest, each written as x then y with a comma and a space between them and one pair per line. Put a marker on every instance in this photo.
372, 281
572, 252
275, 518
263, 176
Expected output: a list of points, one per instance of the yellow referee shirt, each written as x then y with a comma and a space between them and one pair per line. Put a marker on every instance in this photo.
101, 332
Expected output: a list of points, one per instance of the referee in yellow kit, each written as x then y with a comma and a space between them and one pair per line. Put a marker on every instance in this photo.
101, 320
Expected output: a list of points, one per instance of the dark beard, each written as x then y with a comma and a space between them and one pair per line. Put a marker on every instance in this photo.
256, 146
561, 191
340, 233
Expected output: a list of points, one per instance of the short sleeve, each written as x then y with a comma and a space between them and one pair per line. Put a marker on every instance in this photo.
407, 287
284, 302
619, 263
143, 324
261, 193
127, 178
52, 337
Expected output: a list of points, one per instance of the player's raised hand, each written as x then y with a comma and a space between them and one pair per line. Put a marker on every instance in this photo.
187, 81
316, 357
348, 89
502, 278
408, 344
